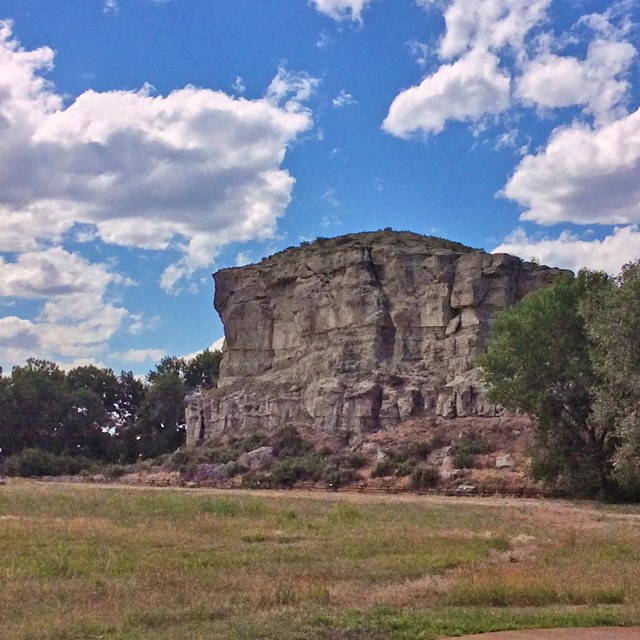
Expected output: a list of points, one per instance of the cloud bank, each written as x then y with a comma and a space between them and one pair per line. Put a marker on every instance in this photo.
190, 171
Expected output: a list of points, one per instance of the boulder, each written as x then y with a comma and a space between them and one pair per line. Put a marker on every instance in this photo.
258, 459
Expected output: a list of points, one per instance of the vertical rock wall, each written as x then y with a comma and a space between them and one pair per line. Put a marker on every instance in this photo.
356, 333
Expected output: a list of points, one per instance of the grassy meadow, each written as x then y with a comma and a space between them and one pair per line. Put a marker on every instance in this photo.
79, 562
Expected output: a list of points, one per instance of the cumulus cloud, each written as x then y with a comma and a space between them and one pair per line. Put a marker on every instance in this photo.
570, 252
552, 81
140, 355
341, 9
464, 90
584, 175
53, 273
471, 83
193, 170
489, 24
75, 317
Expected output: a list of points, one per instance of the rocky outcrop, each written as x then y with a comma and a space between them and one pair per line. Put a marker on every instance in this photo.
354, 334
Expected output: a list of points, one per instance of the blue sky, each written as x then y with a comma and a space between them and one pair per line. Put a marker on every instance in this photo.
146, 143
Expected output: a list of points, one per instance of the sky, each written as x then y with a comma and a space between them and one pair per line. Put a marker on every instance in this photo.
145, 144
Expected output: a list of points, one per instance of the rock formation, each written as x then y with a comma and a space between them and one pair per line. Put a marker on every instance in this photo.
354, 334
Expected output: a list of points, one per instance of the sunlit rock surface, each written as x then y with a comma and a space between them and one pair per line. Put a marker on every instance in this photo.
356, 333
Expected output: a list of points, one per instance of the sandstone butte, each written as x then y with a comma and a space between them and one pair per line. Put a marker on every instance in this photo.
350, 335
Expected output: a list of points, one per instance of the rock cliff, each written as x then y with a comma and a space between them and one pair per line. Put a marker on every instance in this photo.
354, 334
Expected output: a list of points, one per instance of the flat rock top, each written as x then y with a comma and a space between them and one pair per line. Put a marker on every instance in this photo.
601, 633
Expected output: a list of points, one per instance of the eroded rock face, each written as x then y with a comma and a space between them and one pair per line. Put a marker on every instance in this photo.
353, 334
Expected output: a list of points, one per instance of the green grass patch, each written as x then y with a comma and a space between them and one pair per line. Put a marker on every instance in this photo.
79, 562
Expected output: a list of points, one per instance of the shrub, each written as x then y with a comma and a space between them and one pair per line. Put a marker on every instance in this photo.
424, 477
288, 443
256, 480
355, 460
114, 471
405, 469
335, 476
468, 448
383, 469
287, 472
37, 463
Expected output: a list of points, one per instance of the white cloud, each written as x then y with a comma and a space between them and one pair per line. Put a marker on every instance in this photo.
341, 9
474, 84
243, 259
420, 51
110, 5
239, 86
329, 196
569, 252
75, 318
195, 169
584, 175
343, 99
140, 355
552, 81
489, 24
53, 273
467, 89
218, 345
323, 40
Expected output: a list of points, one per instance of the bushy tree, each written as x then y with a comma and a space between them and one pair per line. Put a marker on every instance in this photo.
41, 401
539, 362
201, 371
612, 318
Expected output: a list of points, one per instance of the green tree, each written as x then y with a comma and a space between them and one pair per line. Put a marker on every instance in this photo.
41, 401
160, 425
539, 361
168, 365
612, 319
201, 371
9, 439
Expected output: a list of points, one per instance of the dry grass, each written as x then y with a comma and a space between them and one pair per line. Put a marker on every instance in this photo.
79, 562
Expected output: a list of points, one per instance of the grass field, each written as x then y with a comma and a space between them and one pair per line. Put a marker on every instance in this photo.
81, 562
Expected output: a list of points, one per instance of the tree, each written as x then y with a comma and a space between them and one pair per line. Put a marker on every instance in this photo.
9, 439
168, 365
160, 426
539, 361
40, 400
612, 319
201, 371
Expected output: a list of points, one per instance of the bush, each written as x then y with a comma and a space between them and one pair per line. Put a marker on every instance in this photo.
335, 476
114, 471
468, 448
424, 477
288, 443
256, 480
355, 460
383, 469
405, 469
37, 463
286, 473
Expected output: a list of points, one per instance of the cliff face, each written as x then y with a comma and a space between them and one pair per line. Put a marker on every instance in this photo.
354, 334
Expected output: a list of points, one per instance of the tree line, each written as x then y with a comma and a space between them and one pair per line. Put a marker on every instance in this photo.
569, 355
92, 412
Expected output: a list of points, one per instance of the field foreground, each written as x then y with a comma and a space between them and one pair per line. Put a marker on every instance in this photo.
83, 562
